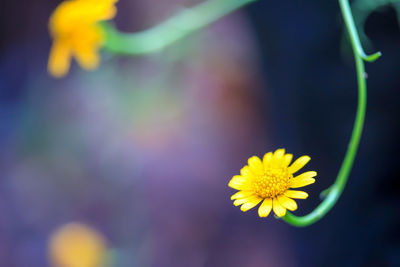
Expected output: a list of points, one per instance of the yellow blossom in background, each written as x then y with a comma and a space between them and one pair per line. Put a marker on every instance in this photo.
77, 245
268, 181
75, 32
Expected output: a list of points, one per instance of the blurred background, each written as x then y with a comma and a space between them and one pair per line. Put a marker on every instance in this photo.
142, 149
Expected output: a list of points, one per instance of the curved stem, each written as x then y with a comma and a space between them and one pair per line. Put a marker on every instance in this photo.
333, 193
352, 30
171, 30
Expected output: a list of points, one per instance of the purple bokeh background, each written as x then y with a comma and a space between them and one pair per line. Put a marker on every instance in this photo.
141, 149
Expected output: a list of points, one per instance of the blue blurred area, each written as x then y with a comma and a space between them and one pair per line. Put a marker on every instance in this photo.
142, 149
315, 78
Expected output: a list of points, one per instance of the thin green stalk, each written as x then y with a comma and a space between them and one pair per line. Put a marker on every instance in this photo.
332, 194
352, 30
171, 30
336, 189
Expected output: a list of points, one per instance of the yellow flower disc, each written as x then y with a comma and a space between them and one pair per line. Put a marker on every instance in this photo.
272, 183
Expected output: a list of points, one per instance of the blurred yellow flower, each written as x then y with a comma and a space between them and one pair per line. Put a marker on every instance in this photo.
269, 180
77, 245
75, 32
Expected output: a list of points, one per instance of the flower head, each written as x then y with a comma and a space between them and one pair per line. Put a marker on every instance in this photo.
75, 32
269, 180
77, 245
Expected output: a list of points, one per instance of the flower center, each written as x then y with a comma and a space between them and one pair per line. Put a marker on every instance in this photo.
272, 183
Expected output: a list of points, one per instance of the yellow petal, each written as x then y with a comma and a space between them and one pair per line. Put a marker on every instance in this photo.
88, 58
299, 163
278, 155
59, 59
245, 171
238, 182
241, 201
86, 47
72, 14
288, 203
105, 11
303, 179
287, 159
296, 194
265, 207
279, 210
251, 203
241, 194
256, 165
267, 159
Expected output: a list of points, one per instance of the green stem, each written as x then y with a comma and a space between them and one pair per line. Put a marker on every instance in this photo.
351, 28
332, 195
170, 31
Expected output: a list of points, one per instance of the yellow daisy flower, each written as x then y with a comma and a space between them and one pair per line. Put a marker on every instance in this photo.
268, 180
75, 32
77, 245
